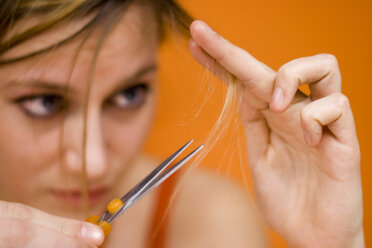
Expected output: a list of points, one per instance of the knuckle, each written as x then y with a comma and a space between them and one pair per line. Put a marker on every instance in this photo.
309, 121
306, 114
19, 211
15, 233
288, 74
222, 55
284, 72
330, 59
341, 101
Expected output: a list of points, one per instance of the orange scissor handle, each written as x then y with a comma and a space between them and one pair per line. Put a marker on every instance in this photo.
93, 219
104, 225
112, 207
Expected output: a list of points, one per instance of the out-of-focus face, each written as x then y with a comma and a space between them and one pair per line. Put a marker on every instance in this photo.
42, 102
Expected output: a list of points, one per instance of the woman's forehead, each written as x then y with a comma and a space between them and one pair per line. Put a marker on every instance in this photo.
130, 44
135, 19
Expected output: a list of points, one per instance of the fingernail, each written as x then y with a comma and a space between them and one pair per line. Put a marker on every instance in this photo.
92, 234
307, 139
277, 97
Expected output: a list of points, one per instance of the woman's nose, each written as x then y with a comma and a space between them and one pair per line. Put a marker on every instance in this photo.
84, 144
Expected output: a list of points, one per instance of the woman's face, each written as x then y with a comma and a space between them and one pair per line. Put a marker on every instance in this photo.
42, 104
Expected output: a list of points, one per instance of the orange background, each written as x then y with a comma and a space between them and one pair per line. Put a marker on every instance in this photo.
274, 32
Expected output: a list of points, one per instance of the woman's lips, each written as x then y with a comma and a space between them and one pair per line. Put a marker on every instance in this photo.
76, 197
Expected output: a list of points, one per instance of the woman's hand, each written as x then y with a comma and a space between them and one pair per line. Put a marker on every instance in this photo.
25, 227
303, 150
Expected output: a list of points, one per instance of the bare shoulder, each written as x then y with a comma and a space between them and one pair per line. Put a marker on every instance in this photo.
212, 211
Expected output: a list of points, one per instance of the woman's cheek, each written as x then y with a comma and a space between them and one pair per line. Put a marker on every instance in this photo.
18, 170
25, 156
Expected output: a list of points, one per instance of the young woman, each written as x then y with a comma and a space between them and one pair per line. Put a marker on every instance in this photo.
78, 91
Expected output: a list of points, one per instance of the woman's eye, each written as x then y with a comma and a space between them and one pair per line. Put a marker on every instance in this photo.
130, 98
41, 105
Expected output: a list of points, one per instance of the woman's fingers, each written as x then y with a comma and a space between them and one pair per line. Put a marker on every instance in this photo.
208, 62
321, 72
254, 75
217, 54
68, 227
254, 122
257, 132
17, 233
333, 112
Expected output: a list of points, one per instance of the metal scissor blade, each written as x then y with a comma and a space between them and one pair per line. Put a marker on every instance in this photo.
153, 175
147, 180
158, 180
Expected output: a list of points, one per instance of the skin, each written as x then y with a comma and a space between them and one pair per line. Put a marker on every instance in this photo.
51, 137
116, 127
302, 150
308, 189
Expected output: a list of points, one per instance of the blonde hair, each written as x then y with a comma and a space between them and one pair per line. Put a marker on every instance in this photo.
168, 13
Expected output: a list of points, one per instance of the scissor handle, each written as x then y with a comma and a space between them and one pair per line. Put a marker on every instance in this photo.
93, 219
104, 225
112, 207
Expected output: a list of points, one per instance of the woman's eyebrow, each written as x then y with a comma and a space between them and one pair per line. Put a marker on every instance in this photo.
141, 72
135, 78
38, 84
60, 87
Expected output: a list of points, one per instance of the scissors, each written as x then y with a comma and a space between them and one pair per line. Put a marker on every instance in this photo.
117, 207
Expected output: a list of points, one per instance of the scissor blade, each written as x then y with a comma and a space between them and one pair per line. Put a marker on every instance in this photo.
153, 175
147, 180
157, 182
